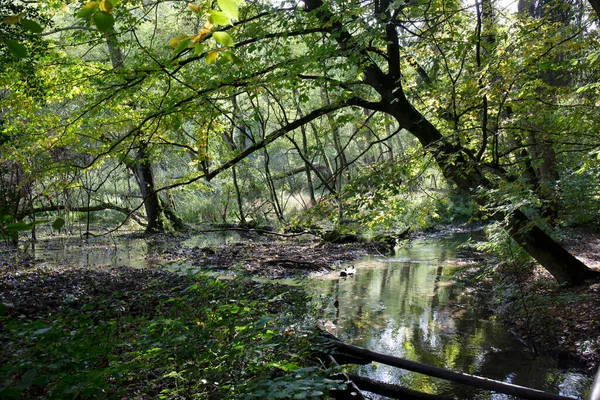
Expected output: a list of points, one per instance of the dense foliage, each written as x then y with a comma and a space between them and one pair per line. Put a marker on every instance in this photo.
254, 112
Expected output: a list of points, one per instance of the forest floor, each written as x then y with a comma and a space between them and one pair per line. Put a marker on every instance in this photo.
71, 330
566, 320
557, 320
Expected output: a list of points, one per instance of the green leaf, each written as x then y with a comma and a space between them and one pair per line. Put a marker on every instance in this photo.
229, 7
58, 224
229, 56
104, 21
18, 226
199, 48
17, 49
88, 10
183, 44
219, 18
31, 26
223, 38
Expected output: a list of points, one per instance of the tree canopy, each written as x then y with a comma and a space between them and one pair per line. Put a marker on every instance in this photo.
385, 113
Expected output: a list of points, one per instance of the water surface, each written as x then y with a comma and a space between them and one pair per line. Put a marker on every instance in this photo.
408, 306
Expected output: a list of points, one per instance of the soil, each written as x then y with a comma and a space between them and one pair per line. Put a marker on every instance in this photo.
278, 259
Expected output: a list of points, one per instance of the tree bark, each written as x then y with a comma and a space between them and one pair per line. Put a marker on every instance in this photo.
596, 5
393, 391
443, 373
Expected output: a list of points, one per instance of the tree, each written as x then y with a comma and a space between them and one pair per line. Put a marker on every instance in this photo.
447, 75
457, 162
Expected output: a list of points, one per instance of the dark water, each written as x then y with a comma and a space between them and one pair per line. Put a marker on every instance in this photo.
408, 306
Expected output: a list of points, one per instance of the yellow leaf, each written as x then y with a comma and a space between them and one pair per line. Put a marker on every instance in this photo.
106, 6
88, 10
198, 322
173, 43
208, 25
195, 7
201, 35
13, 19
211, 56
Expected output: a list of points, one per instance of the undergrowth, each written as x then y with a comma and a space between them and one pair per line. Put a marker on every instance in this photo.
143, 334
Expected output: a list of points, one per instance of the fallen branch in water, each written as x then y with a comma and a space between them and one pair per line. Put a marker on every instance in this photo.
443, 373
393, 391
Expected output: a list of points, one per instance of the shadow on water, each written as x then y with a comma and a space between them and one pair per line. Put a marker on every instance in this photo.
408, 306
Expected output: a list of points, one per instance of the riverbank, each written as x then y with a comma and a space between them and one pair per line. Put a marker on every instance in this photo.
114, 318
552, 319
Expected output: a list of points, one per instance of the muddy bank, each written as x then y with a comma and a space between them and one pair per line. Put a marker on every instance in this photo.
552, 319
246, 253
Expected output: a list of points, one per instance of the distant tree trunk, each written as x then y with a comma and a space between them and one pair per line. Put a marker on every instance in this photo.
541, 149
271, 185
142, 169
237, 128
309, 182
141, 165
307, 169
341, 162
547, 176
168, 209
238, 196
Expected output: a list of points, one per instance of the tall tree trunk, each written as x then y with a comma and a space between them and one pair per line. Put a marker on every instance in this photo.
271, 185
341, 162
238, 196
541, 149
309, 182
237, 129
457, 163
307, 166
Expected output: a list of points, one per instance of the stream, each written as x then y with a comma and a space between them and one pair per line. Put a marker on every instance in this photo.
406, 305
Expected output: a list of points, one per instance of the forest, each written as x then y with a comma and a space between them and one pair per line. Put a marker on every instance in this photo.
313, 133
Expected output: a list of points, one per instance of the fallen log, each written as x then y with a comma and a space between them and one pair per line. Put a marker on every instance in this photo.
443, 373
393, 391
352, 391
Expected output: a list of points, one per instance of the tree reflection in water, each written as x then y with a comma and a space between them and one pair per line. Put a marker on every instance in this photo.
408, 306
